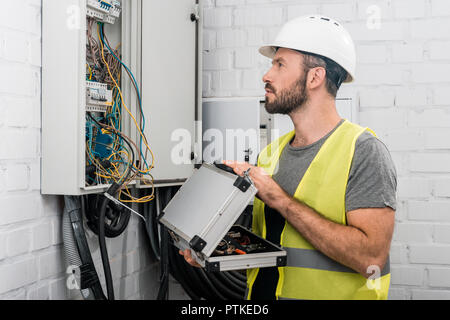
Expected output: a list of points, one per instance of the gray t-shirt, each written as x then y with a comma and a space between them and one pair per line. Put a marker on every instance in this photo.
372, 181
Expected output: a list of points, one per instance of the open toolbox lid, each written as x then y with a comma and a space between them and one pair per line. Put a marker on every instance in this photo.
207, 206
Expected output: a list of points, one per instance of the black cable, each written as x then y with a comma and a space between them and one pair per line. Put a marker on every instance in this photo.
102, 241
149, 226
115, 187
238, 290
155, 229
164, 287
239, 275
198, 284
238, 287
223, 288
191, 277
119, 216
215, 294
178, 273
104, 250
163, 292
237, 281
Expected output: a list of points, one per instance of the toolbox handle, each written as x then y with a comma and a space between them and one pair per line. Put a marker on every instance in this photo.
224, 167
242, 183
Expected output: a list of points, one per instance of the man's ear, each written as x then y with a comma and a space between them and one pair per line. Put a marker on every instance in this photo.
316, 77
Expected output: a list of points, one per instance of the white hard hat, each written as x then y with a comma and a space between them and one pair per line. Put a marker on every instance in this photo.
319, 35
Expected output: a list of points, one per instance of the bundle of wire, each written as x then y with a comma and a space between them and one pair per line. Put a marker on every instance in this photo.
117, 165
104, 65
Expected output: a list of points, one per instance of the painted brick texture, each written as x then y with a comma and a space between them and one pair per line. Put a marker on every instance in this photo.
401, 92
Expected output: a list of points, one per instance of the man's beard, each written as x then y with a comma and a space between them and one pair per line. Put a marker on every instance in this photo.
288, 100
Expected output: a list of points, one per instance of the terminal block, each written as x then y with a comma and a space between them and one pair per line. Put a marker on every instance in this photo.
116, 9
98, 97
104, 11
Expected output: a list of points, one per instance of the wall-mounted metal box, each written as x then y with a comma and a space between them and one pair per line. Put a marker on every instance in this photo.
150, 33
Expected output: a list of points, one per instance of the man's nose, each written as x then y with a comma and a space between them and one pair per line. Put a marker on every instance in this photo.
267, 77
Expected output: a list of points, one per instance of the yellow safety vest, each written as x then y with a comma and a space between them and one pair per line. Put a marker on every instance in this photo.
309, 274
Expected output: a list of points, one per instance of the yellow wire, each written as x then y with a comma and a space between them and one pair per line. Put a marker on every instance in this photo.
134, 200
90, 71
146, 172
96, 162
123, 102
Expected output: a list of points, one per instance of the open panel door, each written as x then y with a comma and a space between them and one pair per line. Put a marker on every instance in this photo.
170, 68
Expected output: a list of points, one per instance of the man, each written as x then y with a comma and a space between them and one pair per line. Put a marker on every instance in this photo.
327, 190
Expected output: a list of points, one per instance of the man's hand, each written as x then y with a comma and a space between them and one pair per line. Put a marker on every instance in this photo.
188, 257
268, 190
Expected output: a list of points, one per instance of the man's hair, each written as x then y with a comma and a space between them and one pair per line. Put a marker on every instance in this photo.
335, 73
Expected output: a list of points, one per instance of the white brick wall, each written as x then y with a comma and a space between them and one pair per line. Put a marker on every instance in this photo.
402, 89
32, 262
402, 93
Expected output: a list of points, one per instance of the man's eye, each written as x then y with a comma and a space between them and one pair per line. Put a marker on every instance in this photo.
280, 64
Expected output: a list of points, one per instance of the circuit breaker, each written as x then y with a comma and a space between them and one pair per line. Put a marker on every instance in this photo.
118, 94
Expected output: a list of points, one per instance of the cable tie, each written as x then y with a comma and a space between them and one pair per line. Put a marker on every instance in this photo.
110, 197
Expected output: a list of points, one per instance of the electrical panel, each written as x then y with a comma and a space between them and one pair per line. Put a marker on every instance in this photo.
227, 137
113, 96
98, 97
104, 11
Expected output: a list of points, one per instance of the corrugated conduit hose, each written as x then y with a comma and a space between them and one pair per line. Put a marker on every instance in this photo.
76, 249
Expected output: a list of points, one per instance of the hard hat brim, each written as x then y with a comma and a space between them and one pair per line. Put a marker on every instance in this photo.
268, 51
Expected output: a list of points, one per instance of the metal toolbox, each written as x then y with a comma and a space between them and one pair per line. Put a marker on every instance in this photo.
201, 217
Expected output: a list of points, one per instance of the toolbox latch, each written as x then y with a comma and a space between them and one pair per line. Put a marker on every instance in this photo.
197, 243
212, 266
282, 261
242, 184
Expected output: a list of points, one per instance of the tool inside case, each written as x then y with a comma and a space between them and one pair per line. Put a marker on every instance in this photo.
240, 241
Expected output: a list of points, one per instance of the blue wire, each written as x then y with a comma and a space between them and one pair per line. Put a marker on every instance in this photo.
137, 89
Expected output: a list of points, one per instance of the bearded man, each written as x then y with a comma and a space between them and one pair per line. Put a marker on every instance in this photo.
327, 190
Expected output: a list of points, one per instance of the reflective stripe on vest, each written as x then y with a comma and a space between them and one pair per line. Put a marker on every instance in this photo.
310, 274
314, 259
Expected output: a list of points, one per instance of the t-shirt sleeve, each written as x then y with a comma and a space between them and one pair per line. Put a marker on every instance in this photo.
372, 181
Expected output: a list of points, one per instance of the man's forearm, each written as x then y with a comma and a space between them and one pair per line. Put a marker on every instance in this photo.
364, 242
347, 245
